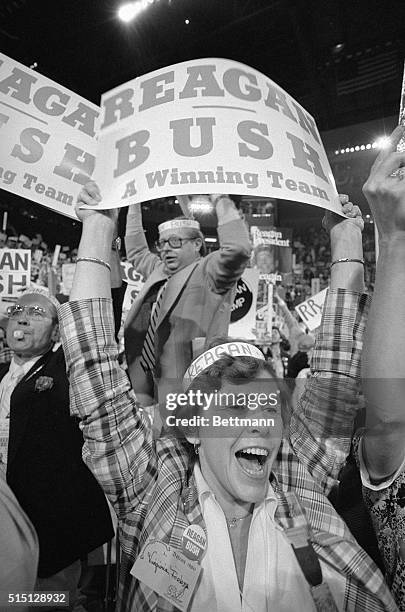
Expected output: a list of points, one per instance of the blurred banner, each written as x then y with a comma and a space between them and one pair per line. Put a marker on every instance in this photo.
272, 252
68, 271
48, 144
15, 271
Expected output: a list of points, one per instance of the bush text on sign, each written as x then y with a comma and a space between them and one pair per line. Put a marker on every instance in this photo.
208, 126
48, 145
202, 126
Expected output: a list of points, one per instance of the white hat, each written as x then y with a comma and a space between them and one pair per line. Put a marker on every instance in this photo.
179, 224
44, 291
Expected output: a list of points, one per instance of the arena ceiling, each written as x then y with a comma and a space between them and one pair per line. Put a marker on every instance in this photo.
341, 59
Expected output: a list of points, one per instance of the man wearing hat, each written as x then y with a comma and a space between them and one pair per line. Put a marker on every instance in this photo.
186, 295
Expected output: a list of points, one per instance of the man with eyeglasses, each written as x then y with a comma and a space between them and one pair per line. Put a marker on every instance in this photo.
41, 447
187, 294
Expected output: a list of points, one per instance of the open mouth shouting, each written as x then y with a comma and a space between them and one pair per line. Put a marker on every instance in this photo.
252, 460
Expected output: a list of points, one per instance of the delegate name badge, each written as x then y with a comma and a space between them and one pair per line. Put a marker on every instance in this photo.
323, 598
168, 572
194, 542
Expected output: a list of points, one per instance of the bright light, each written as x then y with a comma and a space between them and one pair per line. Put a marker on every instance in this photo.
382, 143
127, 12
200, 204
368, 146
208, 239
187, 21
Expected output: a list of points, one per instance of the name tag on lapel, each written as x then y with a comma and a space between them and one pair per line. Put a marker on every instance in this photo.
168, 572
323, 598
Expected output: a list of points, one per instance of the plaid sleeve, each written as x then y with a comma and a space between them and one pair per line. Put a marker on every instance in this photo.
118, 444
322, 424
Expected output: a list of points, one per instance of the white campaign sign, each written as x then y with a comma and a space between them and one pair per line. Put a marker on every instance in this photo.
310, 311
48, 144
209, 126
15, 271
202, 126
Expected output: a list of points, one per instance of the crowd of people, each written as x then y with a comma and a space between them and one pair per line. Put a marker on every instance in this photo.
226, 489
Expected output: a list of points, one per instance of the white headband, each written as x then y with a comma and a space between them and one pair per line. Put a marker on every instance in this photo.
178, 224
234, 349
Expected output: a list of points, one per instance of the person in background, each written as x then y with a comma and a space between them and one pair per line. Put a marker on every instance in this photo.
254, 495
6, 353
277, 355
381, 446
186, 297
295, 329
301, 359
18, 549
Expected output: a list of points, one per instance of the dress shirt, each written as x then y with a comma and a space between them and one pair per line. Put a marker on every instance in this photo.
273, 579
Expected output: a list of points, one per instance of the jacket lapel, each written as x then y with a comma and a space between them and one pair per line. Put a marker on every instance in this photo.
20, 405
174, 289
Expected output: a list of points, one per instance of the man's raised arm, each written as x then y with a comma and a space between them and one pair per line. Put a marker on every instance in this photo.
137, 249
226, 265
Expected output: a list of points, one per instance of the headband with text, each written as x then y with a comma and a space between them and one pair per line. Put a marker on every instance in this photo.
174, 224
234, 349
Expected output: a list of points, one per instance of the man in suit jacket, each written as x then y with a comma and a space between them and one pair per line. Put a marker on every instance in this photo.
198, 295
41, 446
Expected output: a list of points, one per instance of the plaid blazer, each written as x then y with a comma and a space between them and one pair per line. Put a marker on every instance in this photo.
150, 482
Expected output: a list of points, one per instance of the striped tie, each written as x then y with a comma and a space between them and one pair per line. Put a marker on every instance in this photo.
148, 359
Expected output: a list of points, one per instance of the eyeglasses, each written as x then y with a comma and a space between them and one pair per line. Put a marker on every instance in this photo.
34, 313
174, 242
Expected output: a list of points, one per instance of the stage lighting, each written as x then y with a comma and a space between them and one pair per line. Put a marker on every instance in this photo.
127, 12
381, 143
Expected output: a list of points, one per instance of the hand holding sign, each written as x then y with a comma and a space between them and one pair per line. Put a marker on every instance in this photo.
334, 223
90, 196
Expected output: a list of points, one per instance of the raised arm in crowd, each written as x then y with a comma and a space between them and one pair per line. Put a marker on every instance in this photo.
382, 446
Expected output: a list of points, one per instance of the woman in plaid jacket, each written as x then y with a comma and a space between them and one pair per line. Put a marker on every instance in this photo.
245, 523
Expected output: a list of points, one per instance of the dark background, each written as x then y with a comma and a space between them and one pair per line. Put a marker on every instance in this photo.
341, 59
